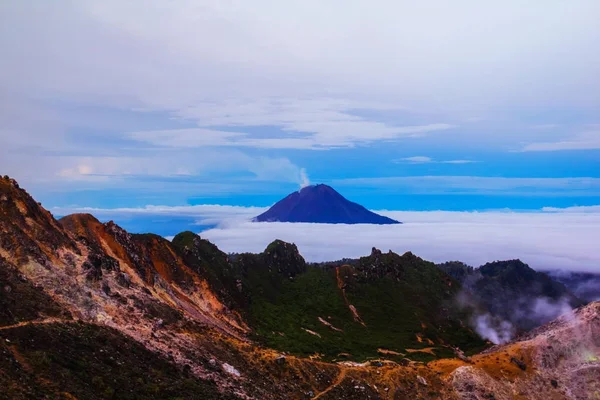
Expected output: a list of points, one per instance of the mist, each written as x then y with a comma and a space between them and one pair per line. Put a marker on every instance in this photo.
542, 240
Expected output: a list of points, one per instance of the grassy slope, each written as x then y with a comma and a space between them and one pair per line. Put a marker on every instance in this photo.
394, 308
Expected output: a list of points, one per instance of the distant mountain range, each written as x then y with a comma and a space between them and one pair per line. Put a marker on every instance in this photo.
321, 204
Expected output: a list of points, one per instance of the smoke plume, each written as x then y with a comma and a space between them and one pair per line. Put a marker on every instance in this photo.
304, 180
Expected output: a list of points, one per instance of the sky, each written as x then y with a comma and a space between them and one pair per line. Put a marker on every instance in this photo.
399, 105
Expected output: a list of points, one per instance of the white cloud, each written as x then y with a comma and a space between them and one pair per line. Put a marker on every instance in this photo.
574, 209
191, 137
458, 162
206, 214
559, 239
315, 124
416, 160
429, 160
141, 170
417, 49
545, 241
581, 186
589, 140
303, 65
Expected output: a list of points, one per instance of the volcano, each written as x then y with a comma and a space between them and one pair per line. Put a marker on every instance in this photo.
321, 204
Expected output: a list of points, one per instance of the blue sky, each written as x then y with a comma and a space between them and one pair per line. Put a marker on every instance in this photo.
398, 105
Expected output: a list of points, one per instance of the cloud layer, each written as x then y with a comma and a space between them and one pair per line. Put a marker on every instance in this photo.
545, 241
557, 239
429, 160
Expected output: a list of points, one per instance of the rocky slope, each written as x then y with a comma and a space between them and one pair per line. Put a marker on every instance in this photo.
90, 311
560, 360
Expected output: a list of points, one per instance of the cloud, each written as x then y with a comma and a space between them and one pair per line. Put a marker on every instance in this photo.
201, 172
206, 214
545, 240
268, 78
277, 65
416, 160
349, 49
582, 186
429, 160
458, 162
316, 125
574, 209
190, 137
589, 140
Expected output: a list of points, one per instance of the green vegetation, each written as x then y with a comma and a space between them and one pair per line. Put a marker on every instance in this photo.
404, 302
280, 316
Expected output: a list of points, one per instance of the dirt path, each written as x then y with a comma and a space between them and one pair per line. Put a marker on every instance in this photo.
428, 350
37, 322
339, 379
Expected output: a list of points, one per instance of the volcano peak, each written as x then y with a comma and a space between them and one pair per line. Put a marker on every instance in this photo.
321, 203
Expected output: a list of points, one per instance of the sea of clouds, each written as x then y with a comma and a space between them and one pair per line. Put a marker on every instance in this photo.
545, 239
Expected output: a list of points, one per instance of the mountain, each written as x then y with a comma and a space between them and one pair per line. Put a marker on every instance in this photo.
388, 302
585, 285
90, 311
514, 292
321, 204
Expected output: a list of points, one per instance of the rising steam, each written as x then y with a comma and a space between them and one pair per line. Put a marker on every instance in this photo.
304, 181
537, 311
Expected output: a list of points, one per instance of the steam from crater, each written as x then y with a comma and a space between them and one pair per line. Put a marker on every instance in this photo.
304, 180
494, 329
